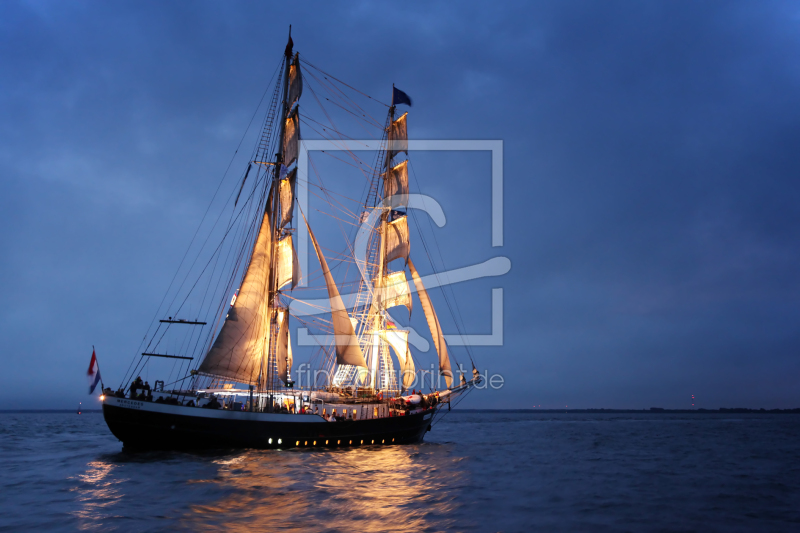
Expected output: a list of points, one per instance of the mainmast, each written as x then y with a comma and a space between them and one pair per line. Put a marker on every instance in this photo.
391, 289
379, 321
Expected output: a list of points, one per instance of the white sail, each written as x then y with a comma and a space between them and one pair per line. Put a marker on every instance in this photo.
283, 352
348, 351
295, 81
287, 263
397, 243
395, 187
433, 324
238, 349
398, 135
395, 291
291, 137
287, 198
398, 340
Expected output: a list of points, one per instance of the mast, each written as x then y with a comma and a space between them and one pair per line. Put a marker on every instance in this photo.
391, 288
275, 212
253, 343
380, 316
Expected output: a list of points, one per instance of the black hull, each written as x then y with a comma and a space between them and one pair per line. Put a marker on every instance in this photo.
144, 425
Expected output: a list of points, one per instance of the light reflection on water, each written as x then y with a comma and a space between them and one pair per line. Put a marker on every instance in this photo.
478, 472
96, 491
364, 489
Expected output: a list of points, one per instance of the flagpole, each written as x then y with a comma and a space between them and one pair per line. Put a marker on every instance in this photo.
97, 361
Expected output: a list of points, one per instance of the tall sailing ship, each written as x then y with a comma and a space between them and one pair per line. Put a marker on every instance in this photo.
234, 384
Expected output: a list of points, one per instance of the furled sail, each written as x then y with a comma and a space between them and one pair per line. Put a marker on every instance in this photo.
238, 349
270, 200
295, 81
395, 188
288, 266
287, 198
284, 348
398, 133
397, 244
348, 351
398, 340
395, 291
291, 137
433, 324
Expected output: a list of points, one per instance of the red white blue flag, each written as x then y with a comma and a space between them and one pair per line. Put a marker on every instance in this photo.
93, 374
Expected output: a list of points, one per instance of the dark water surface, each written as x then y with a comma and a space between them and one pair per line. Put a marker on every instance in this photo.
476, 472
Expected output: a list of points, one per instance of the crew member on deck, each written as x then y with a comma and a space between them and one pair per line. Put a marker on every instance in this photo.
136, 385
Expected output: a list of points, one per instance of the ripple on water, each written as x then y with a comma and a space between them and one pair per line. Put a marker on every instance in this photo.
478, 472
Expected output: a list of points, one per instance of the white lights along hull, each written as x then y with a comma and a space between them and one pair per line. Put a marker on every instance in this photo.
147, 425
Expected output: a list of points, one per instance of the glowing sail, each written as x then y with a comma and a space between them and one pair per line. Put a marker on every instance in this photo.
236, 352
398, 340
395, 291
295, 81
433, 324
395, 187
292, 137
287, 192
398, 134
348, 351
397, 244
288, 266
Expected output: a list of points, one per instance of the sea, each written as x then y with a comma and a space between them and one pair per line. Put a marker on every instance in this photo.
476, 471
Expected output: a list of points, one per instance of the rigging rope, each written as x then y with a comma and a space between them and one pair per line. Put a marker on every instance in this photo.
307, 62
456, 317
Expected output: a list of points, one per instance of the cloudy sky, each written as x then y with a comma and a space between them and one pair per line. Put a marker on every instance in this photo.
650, 167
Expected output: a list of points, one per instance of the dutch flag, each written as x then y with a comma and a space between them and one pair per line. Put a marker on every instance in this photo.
93, 373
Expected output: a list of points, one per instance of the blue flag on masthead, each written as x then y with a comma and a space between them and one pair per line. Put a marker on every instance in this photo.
399, 97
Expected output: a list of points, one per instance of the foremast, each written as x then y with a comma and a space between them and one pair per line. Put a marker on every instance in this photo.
278, 364
252, 345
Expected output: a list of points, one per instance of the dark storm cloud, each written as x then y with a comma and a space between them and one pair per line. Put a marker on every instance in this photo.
650, 178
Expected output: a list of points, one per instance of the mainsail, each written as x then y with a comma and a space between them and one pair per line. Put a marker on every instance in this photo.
244, 339
433, 324
236, 352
